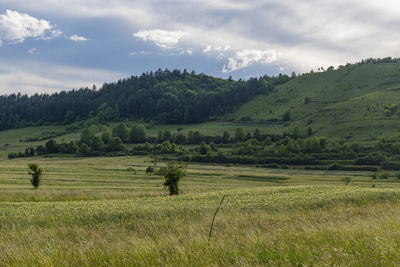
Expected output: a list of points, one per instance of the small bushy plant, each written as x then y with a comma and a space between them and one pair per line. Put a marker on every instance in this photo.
150, 170
36, 172
346, 180
173, 173
384, 175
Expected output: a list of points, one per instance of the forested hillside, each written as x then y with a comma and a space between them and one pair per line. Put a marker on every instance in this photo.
163, 96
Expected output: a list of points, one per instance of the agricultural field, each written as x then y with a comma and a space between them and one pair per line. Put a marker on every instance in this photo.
107, 211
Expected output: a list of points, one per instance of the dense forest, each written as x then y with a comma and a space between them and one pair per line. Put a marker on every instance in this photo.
163, 96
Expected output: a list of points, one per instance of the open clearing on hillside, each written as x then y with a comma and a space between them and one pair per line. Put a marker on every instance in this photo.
346, 103
106, 211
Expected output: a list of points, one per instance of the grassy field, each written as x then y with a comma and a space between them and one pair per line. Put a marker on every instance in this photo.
11, 140
108, 212
345, 103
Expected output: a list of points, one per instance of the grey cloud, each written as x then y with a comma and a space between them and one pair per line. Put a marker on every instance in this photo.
307, 33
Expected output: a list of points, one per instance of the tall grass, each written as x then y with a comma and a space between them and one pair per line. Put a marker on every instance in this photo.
92, 212
278, 226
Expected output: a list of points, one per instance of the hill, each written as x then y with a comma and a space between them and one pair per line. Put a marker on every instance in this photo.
163, 96
358, 101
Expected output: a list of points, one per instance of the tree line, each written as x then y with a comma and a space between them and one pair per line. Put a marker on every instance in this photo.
163, 96
295, 147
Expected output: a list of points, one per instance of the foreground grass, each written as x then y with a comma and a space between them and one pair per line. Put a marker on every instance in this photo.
274, 226
108, 212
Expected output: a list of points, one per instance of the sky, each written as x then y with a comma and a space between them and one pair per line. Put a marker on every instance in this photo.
48, 46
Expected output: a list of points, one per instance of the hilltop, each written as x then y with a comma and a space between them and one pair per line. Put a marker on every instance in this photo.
356, 101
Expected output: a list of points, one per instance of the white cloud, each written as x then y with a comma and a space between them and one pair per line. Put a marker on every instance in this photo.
163, 39
246, 58
222, 48
219, 48
53, 34
32, 51
182, 52
207, 49
143, 53
77, 38
16, 27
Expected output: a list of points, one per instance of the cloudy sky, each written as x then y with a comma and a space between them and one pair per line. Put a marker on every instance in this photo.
48, 45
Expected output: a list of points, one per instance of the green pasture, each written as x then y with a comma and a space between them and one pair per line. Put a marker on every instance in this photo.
108, 212
346, 103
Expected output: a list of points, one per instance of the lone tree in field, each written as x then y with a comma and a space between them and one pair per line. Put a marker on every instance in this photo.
150, 170
346, 180
36, 173
173, 173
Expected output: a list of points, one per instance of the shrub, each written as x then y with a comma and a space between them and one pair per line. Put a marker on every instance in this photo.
12, 155
390, 165
36, 172
346, 180
115, 145
150, 170
333, 166
204, 148
173, 173
287, 116
384, 175
307, 100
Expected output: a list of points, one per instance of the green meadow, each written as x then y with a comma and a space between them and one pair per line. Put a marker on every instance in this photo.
108, 212
346, 103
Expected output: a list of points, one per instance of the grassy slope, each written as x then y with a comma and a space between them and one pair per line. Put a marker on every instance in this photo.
10, 139
92, 211
346, 102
